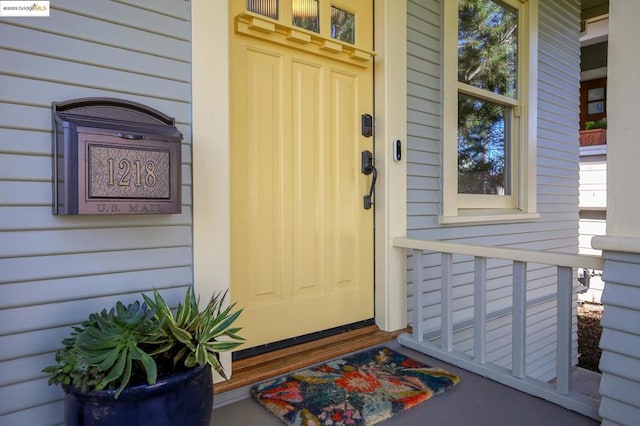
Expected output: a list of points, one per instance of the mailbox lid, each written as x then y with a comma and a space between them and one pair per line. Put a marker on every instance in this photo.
124, 130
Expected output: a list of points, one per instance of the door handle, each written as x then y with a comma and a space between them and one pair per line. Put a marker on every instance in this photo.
369, 169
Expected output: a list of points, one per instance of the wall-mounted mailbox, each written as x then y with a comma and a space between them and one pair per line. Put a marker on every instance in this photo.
112, 156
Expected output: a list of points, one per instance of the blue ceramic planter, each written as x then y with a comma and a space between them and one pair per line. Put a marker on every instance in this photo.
184, 399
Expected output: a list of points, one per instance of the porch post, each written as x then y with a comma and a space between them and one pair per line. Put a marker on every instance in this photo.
620, 342
391, 189
210, 135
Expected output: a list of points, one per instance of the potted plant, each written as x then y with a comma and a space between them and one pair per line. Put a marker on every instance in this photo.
143, 363
594, 133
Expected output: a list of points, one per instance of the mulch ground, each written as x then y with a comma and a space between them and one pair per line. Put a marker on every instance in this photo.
589, 331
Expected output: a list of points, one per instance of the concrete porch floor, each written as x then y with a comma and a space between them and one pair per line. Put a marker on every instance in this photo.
475, 400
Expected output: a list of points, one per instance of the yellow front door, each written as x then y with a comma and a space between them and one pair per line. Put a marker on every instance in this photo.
302, 243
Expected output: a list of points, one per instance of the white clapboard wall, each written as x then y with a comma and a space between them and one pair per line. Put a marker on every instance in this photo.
593, 210
55, 270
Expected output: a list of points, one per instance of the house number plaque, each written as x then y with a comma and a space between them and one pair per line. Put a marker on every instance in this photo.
128, 172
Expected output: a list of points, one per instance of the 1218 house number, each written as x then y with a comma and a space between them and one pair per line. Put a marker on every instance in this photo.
127, 172
132, 171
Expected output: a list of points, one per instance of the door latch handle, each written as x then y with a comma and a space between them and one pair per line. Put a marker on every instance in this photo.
129, 136
369, 169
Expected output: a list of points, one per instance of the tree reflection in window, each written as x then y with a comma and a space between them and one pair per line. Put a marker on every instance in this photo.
483, 147
342, 25
487, 60
305, 14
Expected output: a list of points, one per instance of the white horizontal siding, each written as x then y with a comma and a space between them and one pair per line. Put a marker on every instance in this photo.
34, 415
73, 265
557, 169
47, 242
55, 270
27, 344
620, 342
593, 214
29, 318
593, 182
591, 224
25, 194
590, 228
45, 91
68, 288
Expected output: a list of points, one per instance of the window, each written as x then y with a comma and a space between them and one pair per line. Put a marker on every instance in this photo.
593, 100
489, 110
306, 14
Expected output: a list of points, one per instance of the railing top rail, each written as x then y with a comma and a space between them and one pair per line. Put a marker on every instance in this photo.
514, 254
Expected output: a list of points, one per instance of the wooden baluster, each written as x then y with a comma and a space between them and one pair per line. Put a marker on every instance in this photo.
564, 333
519, 317
418, 296
480, 310
446, 300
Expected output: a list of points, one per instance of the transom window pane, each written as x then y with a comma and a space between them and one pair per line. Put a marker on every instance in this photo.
305, 14
267, 8
488, 46
343, 25
483, 147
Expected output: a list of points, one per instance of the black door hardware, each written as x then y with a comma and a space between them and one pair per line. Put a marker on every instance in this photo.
367, 169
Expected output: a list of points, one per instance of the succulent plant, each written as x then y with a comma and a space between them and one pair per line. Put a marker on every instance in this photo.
195, 332
145, 340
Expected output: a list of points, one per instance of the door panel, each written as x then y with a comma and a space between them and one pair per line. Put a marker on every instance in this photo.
344, 188
308, 245
302, 244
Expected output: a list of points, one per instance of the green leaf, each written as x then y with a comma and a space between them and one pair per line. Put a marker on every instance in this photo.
117, 370
126, 375
183, 313
180, 355
222, 326
187, 312
234, 336
182, 335
96, 358
110, 359
201, 354
164, 348
190, 361
120, 309
213, 361
148, 363
222, 346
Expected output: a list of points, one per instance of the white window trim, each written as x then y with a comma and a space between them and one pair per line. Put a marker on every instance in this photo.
466, 208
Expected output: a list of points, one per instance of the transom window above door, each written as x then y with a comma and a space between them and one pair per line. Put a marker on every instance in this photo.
333, 19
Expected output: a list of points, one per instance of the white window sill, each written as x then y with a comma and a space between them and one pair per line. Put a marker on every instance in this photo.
488, 216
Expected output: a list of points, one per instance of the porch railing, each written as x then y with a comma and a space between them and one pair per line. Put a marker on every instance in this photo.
439, 343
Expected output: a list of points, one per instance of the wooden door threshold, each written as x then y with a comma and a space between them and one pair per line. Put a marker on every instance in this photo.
255, 369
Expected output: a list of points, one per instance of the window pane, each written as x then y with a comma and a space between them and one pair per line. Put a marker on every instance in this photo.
305, 14
264, 7
483, 147
343, 25
488, 46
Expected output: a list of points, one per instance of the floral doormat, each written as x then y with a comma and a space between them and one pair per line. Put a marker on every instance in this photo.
362, 389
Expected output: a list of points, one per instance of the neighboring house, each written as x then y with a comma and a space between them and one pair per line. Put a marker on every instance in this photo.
272, 186
593, 154
593, 211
